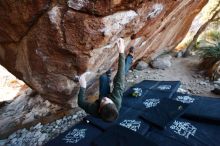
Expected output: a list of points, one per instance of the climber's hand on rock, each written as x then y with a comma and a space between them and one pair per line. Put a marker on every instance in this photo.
82, 79
121, 45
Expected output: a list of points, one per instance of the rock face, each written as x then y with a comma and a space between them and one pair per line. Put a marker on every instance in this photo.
46, 43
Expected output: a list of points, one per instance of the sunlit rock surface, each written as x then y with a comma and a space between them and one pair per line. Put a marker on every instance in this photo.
46, 43
10, 86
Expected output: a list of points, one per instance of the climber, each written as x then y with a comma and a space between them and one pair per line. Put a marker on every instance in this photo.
108, 105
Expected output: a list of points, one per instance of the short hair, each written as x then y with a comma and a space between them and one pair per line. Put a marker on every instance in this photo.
109, 112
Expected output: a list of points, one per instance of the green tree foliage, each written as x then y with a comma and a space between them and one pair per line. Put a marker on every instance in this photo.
208, 48
212, 51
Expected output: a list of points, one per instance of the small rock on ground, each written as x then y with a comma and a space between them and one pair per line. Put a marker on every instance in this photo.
141, 65
162, 62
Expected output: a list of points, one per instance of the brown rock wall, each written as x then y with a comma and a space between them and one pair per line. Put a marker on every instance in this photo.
47, 43
17, 17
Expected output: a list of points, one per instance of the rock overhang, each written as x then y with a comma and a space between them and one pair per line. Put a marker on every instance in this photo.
70, 37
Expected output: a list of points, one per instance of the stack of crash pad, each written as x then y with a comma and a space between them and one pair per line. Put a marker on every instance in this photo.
161, 116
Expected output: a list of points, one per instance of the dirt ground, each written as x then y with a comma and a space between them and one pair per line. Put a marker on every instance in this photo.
182, 69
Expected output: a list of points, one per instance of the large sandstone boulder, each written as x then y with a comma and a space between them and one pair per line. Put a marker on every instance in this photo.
46, 43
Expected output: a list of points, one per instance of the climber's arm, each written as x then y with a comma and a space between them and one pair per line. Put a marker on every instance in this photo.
91, 108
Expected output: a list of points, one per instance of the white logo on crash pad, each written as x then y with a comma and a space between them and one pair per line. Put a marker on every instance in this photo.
184, 129
164, 87
75, 136
185, 99
131, 124
151, 102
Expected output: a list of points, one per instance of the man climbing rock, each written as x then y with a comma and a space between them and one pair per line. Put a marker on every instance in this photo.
108, 105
